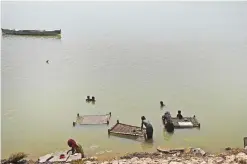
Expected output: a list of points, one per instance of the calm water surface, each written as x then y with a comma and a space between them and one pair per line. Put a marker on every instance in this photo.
129, 55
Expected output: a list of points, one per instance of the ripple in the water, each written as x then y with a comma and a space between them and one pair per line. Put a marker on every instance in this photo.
101, 152
108, 151
9, 113
94, 147
10, 118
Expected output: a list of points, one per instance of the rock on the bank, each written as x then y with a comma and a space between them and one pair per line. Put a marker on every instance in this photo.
219, 159
173, 162
241, 157
193, 158
230, 158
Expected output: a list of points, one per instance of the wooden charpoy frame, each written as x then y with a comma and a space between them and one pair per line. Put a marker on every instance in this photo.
80, 122
133, 134
193, 120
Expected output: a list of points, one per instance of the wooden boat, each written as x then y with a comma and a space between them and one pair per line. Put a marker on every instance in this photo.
31, 32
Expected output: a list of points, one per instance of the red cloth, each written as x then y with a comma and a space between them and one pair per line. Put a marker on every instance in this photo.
72, 143
62, 156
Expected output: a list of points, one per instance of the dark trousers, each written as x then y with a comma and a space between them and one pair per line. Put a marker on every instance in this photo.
149, 133
169, 127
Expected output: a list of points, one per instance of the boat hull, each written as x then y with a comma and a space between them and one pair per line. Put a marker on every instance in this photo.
31, 32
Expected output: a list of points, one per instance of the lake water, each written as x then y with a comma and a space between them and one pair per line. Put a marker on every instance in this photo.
130, 56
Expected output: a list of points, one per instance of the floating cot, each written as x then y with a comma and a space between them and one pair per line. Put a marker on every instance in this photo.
92, 119
186, 122
120, 129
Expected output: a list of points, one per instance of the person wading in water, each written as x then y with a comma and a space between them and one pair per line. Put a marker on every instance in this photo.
168, 122
149, 128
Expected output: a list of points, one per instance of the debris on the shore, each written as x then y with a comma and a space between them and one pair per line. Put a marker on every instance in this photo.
182, 156
197, 151
170, 151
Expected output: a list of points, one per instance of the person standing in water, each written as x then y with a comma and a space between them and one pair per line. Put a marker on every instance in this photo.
75, 148
149, 128
166, 117
162, 104
88, 99
179, 115
167, 120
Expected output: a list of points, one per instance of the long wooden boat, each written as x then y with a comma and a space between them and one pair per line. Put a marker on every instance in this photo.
31, 32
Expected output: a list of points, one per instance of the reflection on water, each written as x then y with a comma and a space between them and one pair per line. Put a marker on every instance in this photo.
31, 36
167, 135
147, 145
130, 137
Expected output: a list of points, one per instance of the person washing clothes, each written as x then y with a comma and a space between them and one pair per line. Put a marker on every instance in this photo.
166, 117
75, 148
148, 126
168, 122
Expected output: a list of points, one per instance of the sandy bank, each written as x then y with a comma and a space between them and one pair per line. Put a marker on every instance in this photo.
189, 156
184, 156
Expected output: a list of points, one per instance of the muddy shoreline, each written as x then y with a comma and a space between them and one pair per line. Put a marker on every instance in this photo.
172, 156
186, 156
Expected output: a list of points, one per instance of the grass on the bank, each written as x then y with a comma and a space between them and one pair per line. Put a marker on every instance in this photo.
14, 158
77, 162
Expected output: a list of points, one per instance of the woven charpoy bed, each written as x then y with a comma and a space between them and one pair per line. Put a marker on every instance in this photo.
120, 129
186, 122
92, 119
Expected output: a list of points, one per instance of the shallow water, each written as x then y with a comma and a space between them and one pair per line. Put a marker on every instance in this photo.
129, 56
